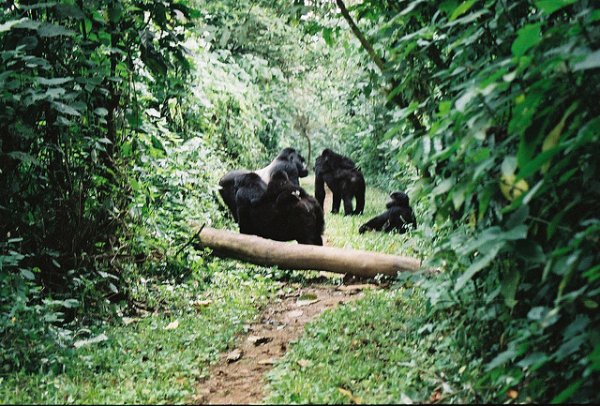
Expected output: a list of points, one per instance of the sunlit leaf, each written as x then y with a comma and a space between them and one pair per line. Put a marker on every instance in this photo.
65, 109
550, 6
90, 341
460, 10
54, 81
591, 61
53, 30
527, 37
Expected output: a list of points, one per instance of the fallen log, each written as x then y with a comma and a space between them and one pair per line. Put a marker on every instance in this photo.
262, 251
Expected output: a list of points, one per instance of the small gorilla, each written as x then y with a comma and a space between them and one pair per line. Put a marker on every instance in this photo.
344, 179
398, 216
284, 212
288, 160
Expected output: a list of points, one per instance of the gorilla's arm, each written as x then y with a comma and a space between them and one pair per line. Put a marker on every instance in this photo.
376, 223
292, 170
319, 188
228, 191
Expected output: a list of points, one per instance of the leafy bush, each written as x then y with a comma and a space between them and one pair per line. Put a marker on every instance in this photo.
69, 107
496, 112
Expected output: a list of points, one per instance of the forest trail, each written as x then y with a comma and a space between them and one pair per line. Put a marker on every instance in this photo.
239, 376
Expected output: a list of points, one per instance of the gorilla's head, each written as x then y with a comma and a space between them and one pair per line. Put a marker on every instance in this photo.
322, 162
279, 180
329, 161
399, 199
247, 180
293, 157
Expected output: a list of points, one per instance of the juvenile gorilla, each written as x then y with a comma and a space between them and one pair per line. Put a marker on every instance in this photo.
397, 216
283, 212
344, 179
288, 160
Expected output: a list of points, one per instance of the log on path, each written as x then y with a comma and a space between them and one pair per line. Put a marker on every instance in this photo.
262, 251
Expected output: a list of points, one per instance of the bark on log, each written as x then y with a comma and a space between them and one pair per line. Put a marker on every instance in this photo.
262, 251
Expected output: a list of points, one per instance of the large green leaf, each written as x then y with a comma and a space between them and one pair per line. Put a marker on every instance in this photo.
591, 61
11, 23
491, 250
460, 10
509, 286
492, 234
65, 109
503, 358
54, 81
550, 6
53, 30
527, 37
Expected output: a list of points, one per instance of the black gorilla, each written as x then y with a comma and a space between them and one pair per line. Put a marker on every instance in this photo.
344, 179
396, 217
249, 188
288, 160
284, 212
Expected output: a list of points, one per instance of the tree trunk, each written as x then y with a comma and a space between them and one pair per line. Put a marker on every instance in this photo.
308, 159
262, 251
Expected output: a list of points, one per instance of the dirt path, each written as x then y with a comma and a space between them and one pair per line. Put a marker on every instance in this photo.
238, 377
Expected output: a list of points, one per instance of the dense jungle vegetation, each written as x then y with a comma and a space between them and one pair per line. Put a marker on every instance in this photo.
117, 118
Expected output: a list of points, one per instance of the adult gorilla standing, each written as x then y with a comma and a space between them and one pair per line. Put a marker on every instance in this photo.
288, 160
344, 179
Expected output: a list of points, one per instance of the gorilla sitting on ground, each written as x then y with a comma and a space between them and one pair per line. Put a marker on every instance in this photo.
283, 212
344, 179
398, 216
288, 160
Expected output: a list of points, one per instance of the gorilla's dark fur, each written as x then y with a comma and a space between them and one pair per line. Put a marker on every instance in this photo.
397, 216
344, 179
288, 160
250, 188
283, 212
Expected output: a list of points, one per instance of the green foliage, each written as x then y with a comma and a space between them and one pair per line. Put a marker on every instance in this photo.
153, 357
68, 103
503, 93
113, 135
384, 349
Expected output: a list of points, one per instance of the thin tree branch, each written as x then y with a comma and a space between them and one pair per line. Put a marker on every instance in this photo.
366, 45
397, 98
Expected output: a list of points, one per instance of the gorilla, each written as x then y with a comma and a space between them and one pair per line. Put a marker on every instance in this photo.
283, 212
344, 179
398, 216
249, 188
288, 160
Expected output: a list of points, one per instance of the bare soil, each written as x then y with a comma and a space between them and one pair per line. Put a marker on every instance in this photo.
239, 376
